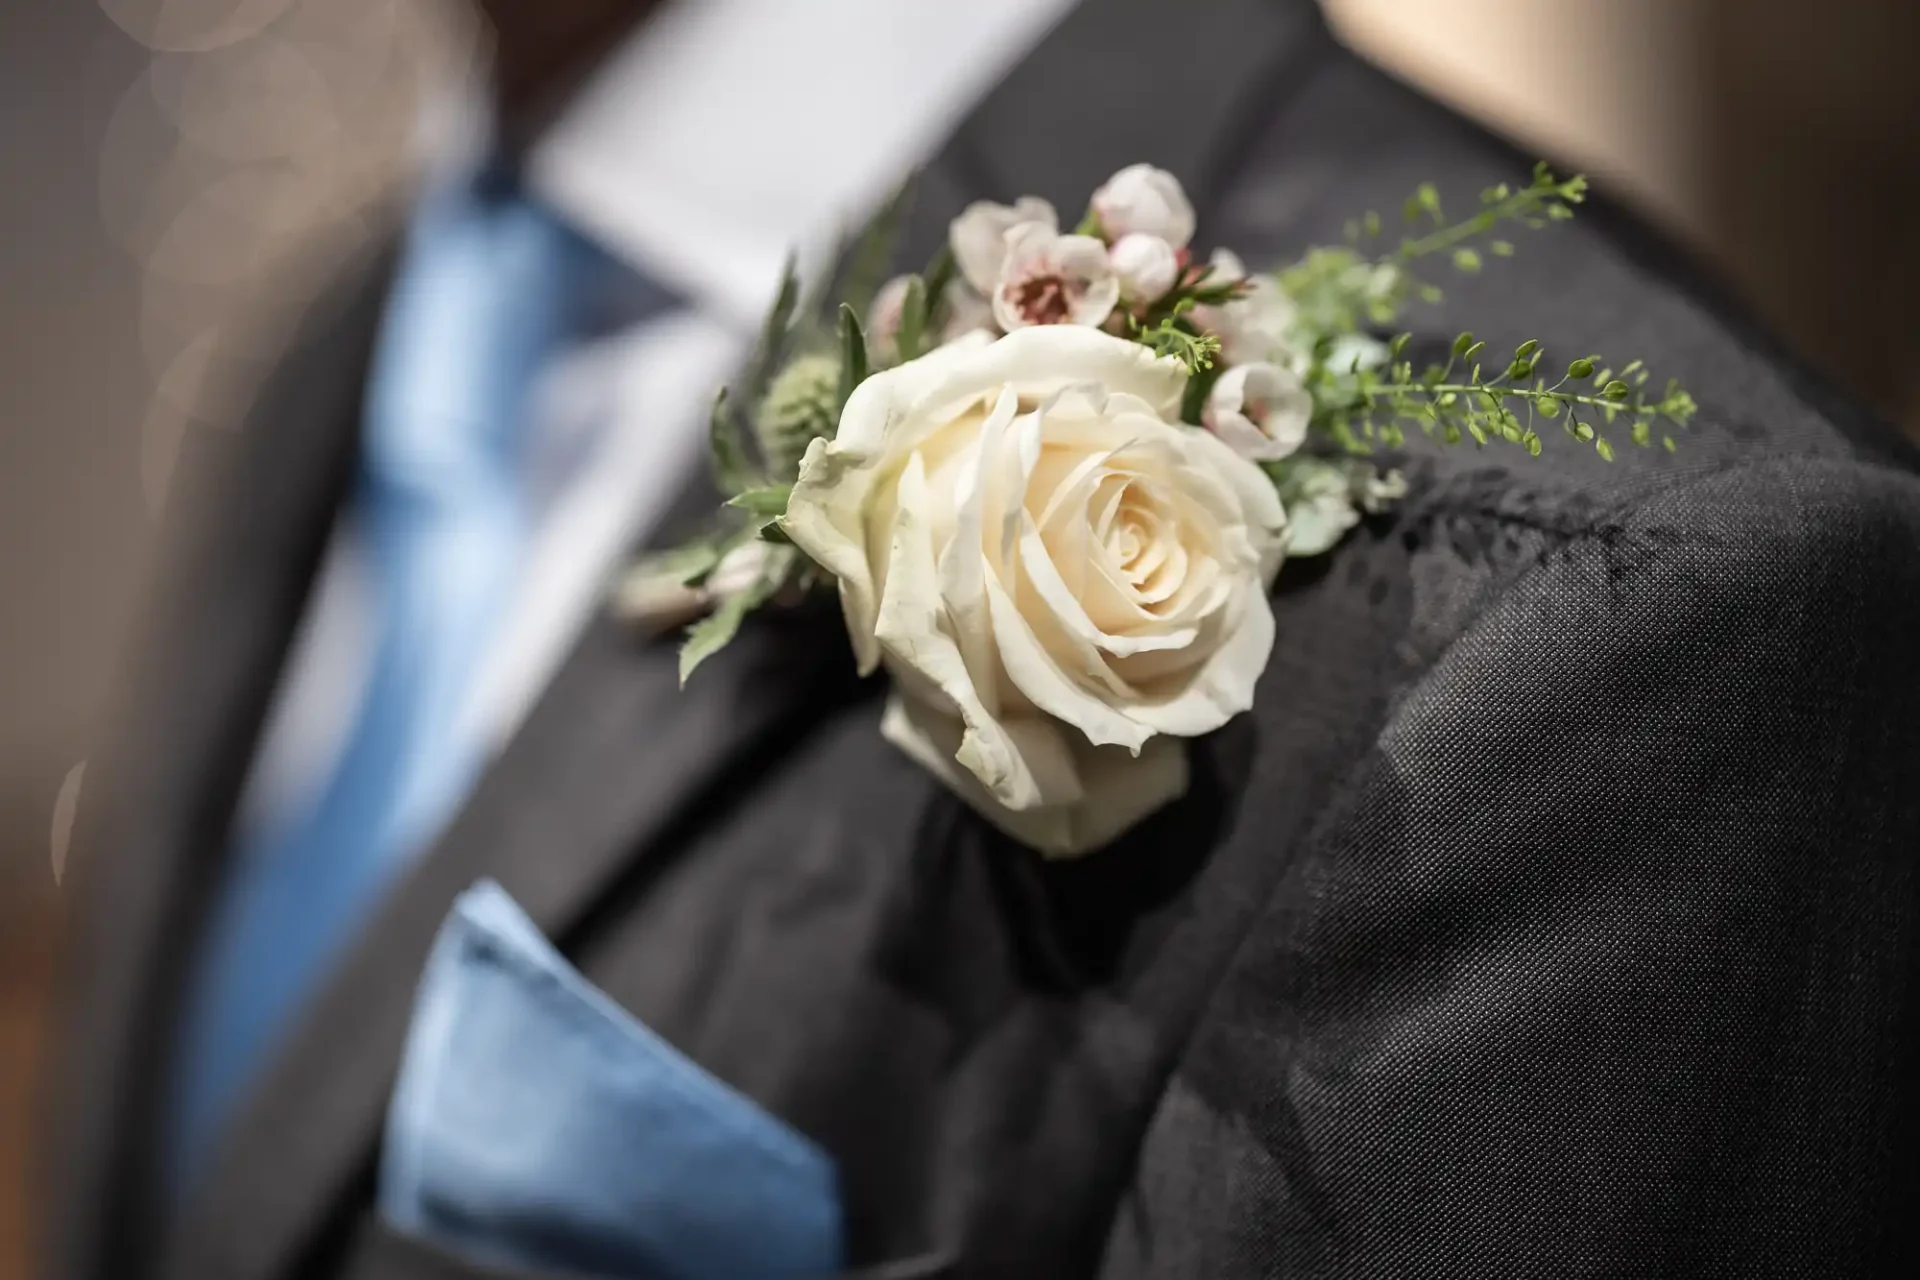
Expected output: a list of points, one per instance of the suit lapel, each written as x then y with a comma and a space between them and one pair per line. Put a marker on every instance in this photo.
616, 765
254, 507
581, 810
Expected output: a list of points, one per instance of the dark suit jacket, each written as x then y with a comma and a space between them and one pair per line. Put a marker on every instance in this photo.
1553, 914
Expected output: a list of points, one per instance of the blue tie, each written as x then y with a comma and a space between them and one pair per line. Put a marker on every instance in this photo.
487, 285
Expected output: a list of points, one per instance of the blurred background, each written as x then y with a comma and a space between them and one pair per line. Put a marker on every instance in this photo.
158, 155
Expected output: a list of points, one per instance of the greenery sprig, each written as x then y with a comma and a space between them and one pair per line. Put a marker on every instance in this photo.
1325, 323
1587, 397
1347, 289
1342, 291
1176, 336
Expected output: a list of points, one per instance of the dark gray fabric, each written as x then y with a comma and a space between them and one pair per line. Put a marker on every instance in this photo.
1553, 913
249, 522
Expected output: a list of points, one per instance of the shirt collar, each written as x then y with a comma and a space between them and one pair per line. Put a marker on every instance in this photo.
726, 133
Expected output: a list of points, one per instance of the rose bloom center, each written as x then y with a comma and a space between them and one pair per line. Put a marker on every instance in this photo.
1139, 539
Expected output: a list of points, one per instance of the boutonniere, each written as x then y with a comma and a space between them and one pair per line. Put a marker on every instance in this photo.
1053, 476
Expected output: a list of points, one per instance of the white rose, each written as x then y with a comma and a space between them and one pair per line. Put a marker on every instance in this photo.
1260, 410
1062, 581
1053, 279
978, 236
1146, 265
1144, 199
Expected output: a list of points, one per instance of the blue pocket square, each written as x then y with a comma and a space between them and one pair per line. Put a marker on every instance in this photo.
538, 1124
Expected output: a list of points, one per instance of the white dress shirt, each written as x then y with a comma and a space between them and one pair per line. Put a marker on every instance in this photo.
722, 135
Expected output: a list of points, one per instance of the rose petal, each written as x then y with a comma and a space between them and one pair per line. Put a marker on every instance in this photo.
1037, 362
1052, 690
910, 629
1118, 789
1223, 687
963, 562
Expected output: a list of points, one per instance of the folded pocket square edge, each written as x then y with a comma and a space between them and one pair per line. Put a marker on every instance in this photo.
537, 1123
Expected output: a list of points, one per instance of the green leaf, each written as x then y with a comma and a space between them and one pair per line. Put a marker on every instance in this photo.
1520, 369
1532, 442
1580, 370
1526, 349
1668, 444
1583, 430
911, 339
732, 466
1474, 429
1398, 345
1617, 390
714, 632
1605, 450
1466, 261
853, 354
769, 501
1501, 248
1462, 344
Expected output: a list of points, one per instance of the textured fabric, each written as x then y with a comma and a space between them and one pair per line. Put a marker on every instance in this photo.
536, 1124
1552, 912
486, 288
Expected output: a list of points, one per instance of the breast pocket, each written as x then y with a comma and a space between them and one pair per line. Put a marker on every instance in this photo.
538, 1125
